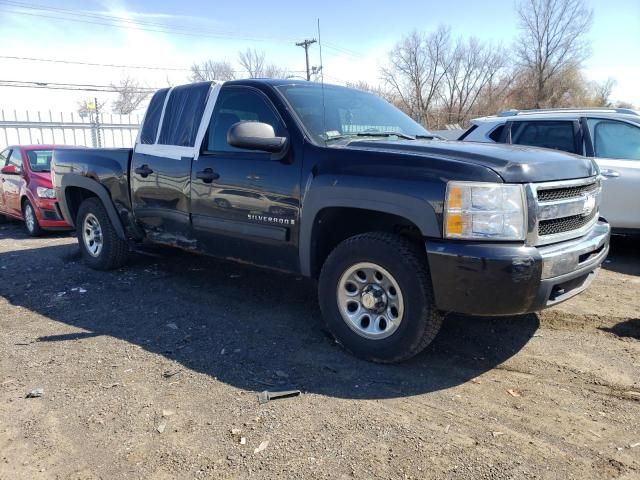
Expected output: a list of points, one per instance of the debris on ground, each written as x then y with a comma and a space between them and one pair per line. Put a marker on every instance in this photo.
168, 413
78, 289
262, 446
497, 434
446, 429
632, 394
36, 393
264, 397
169, 373
172, 326
243, 441
514, 393
161, 426
634, 445
281, 374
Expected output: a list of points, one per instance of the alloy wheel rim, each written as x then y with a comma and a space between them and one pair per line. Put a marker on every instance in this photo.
29, 218
92, 235
370, 300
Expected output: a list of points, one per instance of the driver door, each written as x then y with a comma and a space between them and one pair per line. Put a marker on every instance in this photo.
245, 204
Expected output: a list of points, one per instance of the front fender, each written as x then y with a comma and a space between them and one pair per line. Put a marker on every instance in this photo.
420, 202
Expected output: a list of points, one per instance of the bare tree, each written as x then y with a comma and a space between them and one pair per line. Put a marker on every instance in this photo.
130, 96
417, 66
602, 92
552, 40
253, 62
474, 70
210, 70
275, 71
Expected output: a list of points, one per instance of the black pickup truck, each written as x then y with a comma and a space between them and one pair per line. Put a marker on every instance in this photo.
338, 185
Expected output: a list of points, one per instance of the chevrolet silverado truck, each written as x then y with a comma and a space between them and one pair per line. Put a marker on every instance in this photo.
338, 185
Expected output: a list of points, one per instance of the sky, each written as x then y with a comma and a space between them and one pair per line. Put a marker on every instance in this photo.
356, 38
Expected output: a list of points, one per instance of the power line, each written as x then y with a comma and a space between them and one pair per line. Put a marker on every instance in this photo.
72, 62
117, 21
85, 87
124, 23
111, 65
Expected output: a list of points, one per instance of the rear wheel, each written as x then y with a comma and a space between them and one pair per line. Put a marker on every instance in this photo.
30, 220
101, 247
376, 297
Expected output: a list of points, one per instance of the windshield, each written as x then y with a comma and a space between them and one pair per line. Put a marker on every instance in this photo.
39, 160
347, 112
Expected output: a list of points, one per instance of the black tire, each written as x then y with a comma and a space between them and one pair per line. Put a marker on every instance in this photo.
31, 226
407, 265
114, 250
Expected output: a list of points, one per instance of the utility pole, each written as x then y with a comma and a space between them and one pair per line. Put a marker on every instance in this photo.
306, 44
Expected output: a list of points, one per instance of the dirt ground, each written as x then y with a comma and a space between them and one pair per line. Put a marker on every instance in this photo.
152, 371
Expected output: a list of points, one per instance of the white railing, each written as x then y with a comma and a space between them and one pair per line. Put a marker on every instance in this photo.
108, 130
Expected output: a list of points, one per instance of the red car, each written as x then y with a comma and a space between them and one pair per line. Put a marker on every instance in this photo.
26, 192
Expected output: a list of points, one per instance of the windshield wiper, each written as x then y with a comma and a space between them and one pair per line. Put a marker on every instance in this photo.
429, 137
386, 134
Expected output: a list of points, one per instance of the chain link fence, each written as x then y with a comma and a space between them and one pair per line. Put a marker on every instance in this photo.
103, 130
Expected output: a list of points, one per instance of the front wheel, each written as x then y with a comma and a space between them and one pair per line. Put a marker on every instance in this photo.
376, 297
101, 247
31, 224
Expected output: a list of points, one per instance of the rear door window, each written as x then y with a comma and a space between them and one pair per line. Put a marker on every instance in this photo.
557, 135
183, 114
612, 139
152, 118
496, 134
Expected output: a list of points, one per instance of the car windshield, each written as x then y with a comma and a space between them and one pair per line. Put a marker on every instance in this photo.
332, 113
39, 160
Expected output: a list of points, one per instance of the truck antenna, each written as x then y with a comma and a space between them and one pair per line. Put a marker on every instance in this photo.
321, 70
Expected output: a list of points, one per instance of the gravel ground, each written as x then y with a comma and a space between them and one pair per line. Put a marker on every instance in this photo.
152, 371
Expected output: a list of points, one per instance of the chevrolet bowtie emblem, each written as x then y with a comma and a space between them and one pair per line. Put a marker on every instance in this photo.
589, 204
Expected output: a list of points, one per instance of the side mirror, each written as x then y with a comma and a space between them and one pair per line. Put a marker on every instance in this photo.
10, 170
255, 136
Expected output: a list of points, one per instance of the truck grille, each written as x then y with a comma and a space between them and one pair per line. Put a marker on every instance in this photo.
562, 210
551, 194
566, 224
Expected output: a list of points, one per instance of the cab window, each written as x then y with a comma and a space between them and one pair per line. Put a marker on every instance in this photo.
235, 105
612, 139
558, 135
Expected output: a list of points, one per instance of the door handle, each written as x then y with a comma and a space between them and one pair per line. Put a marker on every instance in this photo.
609, 173
207, 175
144, 171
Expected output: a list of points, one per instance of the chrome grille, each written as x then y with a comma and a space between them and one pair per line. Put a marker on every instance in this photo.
561, 225
562, 210
551, 194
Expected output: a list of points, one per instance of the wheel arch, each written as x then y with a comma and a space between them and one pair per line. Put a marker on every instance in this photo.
332, 214
76, 189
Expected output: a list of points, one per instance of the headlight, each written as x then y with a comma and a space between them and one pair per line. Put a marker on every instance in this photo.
46, 192
480, 211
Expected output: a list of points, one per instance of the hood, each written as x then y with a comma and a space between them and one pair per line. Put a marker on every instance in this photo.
41, 179
514, 163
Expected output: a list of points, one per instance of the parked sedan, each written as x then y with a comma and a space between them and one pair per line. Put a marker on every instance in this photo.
610, 136
26, 192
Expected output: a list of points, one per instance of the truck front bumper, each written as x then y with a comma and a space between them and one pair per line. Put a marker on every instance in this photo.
481, 278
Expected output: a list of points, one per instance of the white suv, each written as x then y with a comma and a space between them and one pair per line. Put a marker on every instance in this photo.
610, 136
